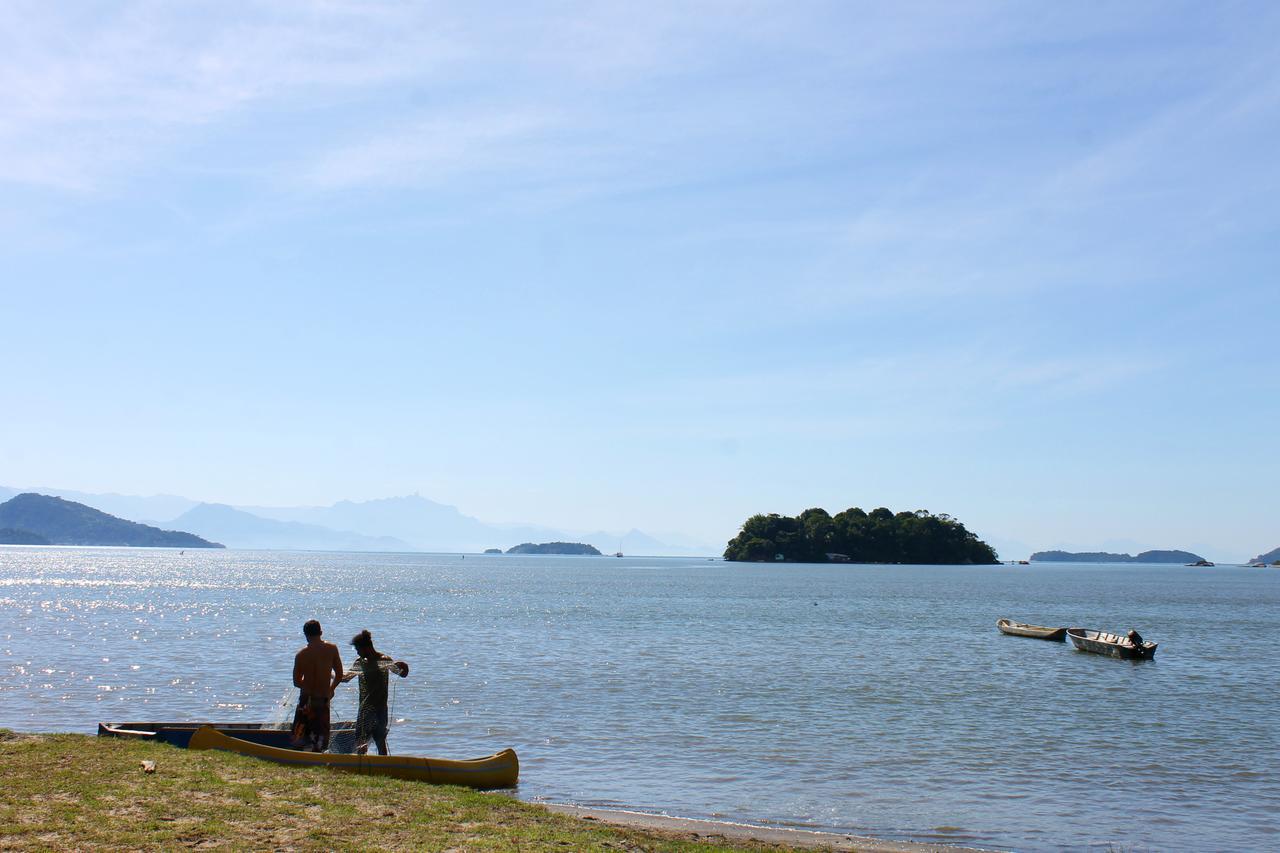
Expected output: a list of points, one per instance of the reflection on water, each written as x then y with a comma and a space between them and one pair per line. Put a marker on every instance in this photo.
871, 699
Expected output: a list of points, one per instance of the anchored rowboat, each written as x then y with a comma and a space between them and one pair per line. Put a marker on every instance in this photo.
1022, 629
500, 770
1115, 645
179, 734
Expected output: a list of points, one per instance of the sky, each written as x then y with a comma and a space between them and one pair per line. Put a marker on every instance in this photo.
653, 265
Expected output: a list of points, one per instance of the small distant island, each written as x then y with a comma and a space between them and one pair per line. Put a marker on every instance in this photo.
493, 550
855, 536
1183, 557
576, 548
55, 521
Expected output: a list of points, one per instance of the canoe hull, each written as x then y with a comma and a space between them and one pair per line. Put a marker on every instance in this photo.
179, 734
1038, 632
501, 770
1111, 645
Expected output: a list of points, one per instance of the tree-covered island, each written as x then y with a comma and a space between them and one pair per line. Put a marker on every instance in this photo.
855, 536
576, 548
1179, 557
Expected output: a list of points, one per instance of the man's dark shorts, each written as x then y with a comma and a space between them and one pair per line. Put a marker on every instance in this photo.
311, 723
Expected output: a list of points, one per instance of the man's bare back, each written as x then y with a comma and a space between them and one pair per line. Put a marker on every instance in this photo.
317, 668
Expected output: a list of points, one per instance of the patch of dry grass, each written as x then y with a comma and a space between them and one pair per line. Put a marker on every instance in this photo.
77, 792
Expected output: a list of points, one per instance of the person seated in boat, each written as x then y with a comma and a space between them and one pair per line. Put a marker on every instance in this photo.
1135, 638
317, 670
373, 668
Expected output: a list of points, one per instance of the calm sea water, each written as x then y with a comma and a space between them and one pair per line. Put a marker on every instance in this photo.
868, 699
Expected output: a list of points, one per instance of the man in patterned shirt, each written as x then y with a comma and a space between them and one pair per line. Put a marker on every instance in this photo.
373, 668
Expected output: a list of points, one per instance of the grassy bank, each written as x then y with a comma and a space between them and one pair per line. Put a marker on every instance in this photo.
77, 792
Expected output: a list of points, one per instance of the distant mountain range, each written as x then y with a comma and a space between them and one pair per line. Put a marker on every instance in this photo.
132, 507
62, 522
1182, 557
1269, 557
409, 523
245, 530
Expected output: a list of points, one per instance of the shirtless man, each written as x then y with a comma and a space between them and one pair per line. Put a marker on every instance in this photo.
317, 669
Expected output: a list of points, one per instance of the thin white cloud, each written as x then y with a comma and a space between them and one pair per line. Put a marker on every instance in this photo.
88, 95
434, 150
885, 394
83, 96
580, 101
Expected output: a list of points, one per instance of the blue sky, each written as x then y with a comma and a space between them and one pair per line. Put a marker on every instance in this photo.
654, 265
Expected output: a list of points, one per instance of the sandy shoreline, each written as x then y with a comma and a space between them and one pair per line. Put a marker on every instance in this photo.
710, 830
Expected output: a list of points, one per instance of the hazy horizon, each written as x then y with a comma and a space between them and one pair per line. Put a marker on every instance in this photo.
683, 543
660, 267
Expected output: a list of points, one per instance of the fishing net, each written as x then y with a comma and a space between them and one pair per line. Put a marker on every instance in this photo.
281, 716
350, 703
357, 705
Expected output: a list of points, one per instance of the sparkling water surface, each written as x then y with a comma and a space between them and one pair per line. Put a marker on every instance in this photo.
875, 700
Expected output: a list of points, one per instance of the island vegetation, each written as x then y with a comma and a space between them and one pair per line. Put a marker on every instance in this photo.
63, 522
11, 536
1180, 557
574, 548
855, 536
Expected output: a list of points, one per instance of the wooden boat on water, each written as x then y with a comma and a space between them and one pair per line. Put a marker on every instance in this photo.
500, 770
1114, 645
179, 734
1039, 632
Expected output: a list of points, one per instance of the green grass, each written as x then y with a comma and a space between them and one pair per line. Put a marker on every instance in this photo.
64, 792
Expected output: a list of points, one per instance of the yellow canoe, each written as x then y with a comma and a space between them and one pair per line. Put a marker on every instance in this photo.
499, 770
